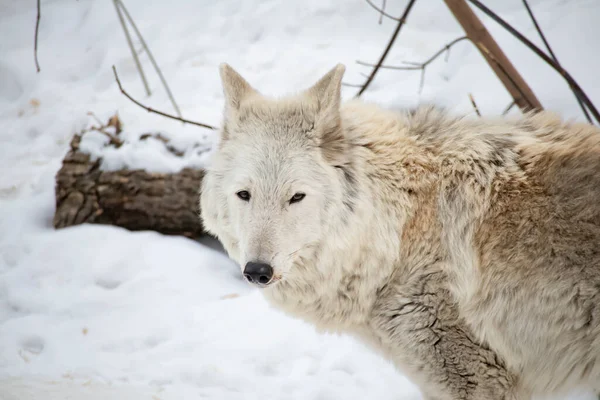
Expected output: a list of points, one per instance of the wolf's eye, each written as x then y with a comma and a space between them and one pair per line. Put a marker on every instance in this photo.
244, 195
297, 197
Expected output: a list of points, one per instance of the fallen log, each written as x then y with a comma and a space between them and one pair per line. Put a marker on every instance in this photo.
132, 199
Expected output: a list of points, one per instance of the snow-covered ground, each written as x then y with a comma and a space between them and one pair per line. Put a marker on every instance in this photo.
97, 312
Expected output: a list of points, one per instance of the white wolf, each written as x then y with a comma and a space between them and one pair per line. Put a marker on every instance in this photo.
467, 251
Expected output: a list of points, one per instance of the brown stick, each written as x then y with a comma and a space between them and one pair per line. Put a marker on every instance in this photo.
487, 46
388, 47
187, 121
493, 59
567, 77
35, 40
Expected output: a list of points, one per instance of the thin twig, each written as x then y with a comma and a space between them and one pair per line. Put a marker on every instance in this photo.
474, 104
418, 65
151, 57
354, 85
388, 47
413, 66
382, 11
114, 140
422, 81
509, 107
91, 114
187, 121
130, 43
543, 37
35, 41
572, 83
539, 29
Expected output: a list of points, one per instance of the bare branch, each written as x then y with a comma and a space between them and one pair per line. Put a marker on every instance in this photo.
151, 57
187, 121
35, 41
416, 65
574, 85
422, 81
446, 49
538, 29
401, 22
130, 43
91, 114
474, 104
113, 139
382, 11
354, 85
543, 37
413, 66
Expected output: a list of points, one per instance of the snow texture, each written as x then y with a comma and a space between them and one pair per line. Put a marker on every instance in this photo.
95, 312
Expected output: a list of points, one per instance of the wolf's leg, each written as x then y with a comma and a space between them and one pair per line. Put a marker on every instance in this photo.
504, 396
419, 328
454, 367
474, 385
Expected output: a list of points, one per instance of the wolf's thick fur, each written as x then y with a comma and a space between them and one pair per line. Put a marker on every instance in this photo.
467, 251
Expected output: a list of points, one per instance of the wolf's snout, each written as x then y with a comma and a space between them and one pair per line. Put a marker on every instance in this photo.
258, 273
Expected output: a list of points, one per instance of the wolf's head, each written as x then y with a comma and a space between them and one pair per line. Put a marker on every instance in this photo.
277, 178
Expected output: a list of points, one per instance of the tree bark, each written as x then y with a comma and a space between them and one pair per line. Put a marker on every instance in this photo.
132, 199
495, 57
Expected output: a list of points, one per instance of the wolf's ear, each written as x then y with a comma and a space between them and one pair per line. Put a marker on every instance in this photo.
328, 89
235, 88
328, 97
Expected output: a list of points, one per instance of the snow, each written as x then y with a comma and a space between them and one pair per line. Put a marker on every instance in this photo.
149, 153
99, 312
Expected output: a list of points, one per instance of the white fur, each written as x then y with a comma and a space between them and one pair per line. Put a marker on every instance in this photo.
412, 236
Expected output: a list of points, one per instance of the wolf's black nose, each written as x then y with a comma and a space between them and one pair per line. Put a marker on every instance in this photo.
258, 273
